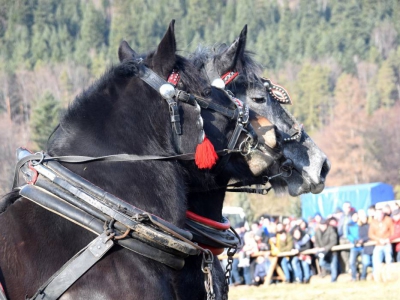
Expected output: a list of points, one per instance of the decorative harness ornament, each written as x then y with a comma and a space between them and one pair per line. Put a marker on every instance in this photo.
229, 77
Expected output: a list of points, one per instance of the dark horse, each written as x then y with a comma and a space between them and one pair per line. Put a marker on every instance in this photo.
306, 165
120, 114
305, 160
310, 164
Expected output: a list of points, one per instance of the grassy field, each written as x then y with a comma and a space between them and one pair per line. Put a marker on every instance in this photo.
319, 289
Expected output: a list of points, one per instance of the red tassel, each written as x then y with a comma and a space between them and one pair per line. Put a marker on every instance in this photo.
205, 156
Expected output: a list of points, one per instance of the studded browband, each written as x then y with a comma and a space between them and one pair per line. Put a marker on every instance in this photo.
229, 76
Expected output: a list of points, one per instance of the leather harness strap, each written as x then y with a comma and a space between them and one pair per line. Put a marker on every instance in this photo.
2, 293
74, 268
39, 157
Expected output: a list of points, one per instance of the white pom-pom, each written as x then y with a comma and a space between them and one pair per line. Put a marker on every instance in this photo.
218, 83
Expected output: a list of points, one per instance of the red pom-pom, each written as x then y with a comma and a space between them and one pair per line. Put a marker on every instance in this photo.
205, 156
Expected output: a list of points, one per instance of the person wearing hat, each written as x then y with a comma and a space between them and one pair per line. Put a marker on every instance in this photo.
325, 238
396, 232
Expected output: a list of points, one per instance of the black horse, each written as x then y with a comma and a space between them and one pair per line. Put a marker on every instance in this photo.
120, 114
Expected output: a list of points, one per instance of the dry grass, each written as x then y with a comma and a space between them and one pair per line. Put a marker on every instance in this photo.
319, 289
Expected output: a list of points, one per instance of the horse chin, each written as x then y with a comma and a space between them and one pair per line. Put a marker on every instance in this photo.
298, 185
259, 162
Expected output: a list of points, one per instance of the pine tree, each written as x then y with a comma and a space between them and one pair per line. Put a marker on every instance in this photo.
92, 34
386, 84
44, 23
44, 119
312, 91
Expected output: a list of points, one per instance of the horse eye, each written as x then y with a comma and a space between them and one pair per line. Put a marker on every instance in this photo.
206, 92
259, 100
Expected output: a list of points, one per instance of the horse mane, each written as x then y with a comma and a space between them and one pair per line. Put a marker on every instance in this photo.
249, 67
8, 199
101, 91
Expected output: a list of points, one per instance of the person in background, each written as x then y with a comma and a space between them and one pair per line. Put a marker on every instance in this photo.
325, 238
313, 225
293, 223
279, 227
250, 247
301, 263
353, 237
304, 226
363, 227
396, 232
265, 224
235, 277
380, 230
338, 213
387, 210
272, 229
286, 224
332, 221
342, 231
260, 271
371, 213
255, 227
282, 243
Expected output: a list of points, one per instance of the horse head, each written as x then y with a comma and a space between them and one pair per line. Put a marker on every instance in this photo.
259, 136
306, 164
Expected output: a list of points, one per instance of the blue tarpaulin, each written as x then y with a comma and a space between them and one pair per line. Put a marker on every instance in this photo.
360, 196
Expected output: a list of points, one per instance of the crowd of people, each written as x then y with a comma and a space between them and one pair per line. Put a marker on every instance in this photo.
269, 238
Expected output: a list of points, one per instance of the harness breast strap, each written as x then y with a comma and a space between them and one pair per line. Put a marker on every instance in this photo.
74, 268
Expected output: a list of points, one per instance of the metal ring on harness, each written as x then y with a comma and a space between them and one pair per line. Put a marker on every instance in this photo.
208, 260
38, 162
246, 147
286, 168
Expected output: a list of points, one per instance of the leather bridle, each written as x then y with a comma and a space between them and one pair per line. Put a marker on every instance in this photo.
173, 96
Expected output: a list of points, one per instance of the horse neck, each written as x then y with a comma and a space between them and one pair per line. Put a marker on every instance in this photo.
208, 202
127, 125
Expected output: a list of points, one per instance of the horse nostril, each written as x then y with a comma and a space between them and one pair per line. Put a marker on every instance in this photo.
325, 169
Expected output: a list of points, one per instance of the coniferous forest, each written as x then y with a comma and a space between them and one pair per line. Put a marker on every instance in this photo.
339, 60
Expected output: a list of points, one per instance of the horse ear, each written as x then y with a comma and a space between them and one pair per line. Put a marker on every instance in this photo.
125, 51
231, 56
164, 58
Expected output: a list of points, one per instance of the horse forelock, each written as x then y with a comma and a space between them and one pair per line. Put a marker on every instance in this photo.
246, 65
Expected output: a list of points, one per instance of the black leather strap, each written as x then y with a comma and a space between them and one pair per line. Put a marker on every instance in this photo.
74, 159
74, 269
